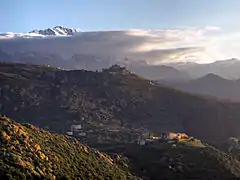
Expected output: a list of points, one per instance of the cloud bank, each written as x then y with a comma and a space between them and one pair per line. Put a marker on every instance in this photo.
152, 46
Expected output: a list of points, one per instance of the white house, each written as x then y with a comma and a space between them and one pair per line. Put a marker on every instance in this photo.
70, 133
142, 142
76, 127
234, 144
82, 134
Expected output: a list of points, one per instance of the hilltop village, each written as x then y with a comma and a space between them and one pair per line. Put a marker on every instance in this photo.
137, 136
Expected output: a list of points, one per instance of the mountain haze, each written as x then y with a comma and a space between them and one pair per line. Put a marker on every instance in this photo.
211, 85
71, 48
228, 69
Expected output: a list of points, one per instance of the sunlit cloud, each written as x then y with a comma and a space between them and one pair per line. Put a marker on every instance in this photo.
192, 44
213, 28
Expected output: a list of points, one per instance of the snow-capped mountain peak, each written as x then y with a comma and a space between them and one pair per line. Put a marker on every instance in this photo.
56, 31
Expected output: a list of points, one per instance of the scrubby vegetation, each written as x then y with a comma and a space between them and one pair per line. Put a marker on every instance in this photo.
28, 152
178, 161
115, 98
31, 153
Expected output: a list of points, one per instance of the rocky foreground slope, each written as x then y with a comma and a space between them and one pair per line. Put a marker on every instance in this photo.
28, 152
31, 153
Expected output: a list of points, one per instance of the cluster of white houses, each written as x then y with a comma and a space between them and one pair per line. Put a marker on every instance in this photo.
76, 130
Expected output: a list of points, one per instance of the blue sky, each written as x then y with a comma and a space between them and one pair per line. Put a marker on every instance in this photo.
25, 15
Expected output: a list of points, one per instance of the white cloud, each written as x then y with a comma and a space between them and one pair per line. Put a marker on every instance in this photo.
213, 28
154, 46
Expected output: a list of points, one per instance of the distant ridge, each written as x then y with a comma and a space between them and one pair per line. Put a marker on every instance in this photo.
210, 84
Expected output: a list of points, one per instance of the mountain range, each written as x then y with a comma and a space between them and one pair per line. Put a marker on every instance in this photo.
93, 63
228, 69
210, 85
71, 48
56, 31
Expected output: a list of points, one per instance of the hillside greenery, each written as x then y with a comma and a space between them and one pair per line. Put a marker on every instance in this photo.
183, 160
28, 152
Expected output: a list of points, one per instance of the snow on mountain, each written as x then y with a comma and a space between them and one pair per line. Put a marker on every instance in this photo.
97, 49
10, 35
56, 31
50, 32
